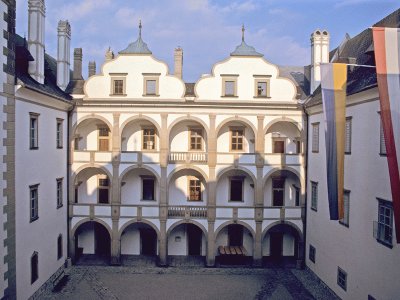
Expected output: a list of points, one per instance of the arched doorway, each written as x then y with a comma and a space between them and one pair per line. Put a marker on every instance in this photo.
92, 243
281, 246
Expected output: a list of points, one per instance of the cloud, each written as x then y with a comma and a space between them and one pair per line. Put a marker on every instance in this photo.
78, 10
344, 3
240, 7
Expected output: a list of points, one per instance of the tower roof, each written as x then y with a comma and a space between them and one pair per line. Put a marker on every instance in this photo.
245, 50
137, 47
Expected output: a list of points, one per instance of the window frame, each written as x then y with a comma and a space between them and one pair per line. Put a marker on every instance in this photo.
33, 203
151, 77
103, 137
314, 200
194, 178
278, 139
59, 133
118, 77
144, 128
388, 206
312, 253
343, 221
236, 178
59, 247
278, 179
342, 282
34, 131
231, 130
315, 138
199, 136
34, 267
59, 190
262, 79
103, 187
229, 78
143, 178
348, 138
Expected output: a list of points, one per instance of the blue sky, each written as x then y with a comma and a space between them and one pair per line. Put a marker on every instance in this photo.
207, 30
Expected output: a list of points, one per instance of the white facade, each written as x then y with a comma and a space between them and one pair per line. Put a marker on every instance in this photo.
371, 267
46, 164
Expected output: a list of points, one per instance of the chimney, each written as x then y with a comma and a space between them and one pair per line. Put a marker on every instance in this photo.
77, 75
178, 60
92, 68
63, 54
319, 54
109, 54
36, 22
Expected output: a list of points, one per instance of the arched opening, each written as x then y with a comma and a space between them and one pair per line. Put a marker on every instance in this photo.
92, 186
188, 142
187, 187
187, 242
236, 137
281, 245
235, 187
92, 135
234, 245
283, 137
139, 186
140, 135
139, 239
282, 188
92, 243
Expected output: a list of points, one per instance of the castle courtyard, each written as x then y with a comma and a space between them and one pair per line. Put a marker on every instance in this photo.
149, 282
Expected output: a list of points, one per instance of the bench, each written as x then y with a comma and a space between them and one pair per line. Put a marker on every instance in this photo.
232, 250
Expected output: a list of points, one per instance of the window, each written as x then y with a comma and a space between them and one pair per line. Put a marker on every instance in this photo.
118, 87
314, 195
103, 189
342, 278
383, 230
346, 204
237, 139
297, 195
33, 131
151, 84
279, 146
261, 86
148, 188
118, 84
311, 253
59, 247
298, 146
315, 137
194, 189
59, 192
34, 267
261, 89
347, 144
229, 85
33, 201
59, 133
236, 189
278, 191
76, 142
382, 143
104, 138
196, 139
149, 138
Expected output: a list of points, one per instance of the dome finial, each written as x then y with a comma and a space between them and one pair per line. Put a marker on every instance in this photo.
140, 28
243, 32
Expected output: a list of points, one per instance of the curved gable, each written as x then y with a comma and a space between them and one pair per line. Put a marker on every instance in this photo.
134, 70
245, 72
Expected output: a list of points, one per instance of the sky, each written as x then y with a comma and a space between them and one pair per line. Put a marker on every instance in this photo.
207, 30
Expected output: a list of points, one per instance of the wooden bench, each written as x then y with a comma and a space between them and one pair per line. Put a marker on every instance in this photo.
232, 250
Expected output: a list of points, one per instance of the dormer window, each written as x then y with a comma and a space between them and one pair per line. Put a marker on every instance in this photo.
229, 85
262, 86
151, 84
118, 84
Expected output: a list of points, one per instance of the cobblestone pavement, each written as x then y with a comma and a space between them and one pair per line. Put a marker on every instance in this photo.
100, 282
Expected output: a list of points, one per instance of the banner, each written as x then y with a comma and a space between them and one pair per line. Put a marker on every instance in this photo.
387, 58
333, 85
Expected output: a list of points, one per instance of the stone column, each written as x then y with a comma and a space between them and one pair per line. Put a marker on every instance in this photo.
115, 192
163, 255
257, 257
210, 260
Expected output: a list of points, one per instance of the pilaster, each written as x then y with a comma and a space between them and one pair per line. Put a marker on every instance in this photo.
163, 255
212, 143
115, 244
257, 258
210, 260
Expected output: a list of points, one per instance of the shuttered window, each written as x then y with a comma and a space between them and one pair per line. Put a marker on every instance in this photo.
346, 204
104, 139
315, 137
314, 195
382, 145
347, 145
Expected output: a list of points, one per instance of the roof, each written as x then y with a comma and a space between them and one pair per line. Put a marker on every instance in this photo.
23, 57
138, 46
245, 50
358, 50
300, 77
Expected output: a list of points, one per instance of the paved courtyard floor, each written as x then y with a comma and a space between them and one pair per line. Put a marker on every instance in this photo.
100, 282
